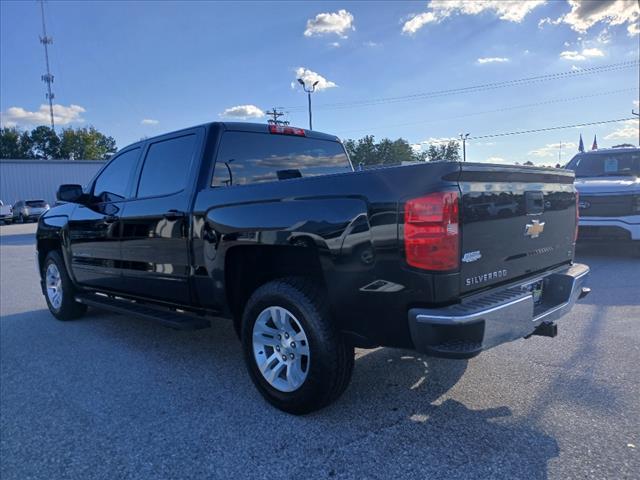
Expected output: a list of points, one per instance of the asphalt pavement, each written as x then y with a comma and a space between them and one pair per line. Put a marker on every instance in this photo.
109, 396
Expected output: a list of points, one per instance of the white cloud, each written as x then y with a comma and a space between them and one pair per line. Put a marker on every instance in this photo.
636, 103
552, 149
310, 77
585, 14
335, 44
604, 36
371, 44
629, 130
633, 29
243, 112
338, 23
484, 60
509, 10
415, 23
437, 141
149, 121
498, 160
575, 55
62, 115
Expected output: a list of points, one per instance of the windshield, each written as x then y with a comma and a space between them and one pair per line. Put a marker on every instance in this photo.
36, 203
606, 164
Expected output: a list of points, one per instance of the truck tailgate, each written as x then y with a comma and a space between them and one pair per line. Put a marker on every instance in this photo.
515, 221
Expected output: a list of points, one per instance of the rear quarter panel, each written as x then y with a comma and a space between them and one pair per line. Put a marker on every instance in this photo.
351, 222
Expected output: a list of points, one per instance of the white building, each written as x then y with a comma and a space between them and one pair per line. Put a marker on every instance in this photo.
39, 179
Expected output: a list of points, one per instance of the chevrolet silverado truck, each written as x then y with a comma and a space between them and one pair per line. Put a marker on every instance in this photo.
271, 227
608, 181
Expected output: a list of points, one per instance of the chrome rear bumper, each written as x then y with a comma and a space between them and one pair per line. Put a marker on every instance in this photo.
495, 317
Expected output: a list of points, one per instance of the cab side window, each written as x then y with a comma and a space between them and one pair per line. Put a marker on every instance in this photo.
167, 166
111, 185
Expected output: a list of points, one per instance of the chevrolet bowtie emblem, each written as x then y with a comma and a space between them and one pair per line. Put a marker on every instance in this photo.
534, 229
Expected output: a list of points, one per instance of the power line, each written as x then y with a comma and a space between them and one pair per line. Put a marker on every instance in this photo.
478, 88
502, 109
522, 132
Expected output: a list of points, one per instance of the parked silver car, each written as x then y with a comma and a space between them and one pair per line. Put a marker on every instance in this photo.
6, 213
29, 210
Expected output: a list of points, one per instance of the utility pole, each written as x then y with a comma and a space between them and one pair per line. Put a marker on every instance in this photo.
47, 78
463, 138
276, 114
633, 112
309, 92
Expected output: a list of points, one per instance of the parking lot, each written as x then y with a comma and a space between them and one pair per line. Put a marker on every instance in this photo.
112, 397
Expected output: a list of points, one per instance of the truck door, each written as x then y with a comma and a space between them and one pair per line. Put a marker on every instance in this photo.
156, 222
94, 227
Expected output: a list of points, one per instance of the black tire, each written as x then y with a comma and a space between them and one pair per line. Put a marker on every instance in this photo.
331, 356
69, 309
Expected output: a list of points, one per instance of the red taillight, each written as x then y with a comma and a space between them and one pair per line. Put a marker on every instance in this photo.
575, 234
431, 231
283, 130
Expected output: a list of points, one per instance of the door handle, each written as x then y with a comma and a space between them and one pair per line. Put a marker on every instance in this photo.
111, 218
174, 214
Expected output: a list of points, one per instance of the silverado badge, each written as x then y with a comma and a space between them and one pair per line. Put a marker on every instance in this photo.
534, 229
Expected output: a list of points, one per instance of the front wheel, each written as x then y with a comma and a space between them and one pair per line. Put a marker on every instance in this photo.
295, 355
59, 290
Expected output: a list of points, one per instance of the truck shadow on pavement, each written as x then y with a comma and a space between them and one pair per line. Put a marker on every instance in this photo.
132, 385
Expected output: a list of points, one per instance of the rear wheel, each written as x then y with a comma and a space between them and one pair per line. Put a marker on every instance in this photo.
296, 357
59, 290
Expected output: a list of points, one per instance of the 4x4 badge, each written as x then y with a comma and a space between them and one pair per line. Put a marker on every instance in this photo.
534, 229
471, 256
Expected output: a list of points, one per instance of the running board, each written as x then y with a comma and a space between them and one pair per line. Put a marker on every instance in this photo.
168, 318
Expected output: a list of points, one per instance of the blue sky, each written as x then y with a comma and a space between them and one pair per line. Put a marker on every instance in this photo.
135, 69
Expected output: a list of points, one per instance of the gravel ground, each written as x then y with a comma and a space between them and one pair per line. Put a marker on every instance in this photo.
115, 397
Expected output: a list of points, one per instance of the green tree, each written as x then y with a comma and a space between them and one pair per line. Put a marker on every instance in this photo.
444, 152
14, 144
86, 144
45, 143
365, 151
401, 151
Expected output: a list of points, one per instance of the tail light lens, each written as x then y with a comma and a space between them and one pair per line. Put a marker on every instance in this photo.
432, 231
575, 234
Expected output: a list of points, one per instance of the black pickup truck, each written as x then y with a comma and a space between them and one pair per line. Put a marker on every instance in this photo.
271, 227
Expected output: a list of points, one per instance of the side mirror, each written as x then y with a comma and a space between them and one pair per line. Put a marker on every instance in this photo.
69, 193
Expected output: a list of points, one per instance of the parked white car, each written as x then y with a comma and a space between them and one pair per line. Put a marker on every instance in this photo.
6, 213
608, 181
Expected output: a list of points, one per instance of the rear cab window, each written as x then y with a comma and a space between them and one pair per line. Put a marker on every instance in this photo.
252, 157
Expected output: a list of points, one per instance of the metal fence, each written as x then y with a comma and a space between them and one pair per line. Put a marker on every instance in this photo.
39, 179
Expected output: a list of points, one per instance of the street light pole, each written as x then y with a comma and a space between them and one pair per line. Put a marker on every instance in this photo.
464, 146
309, 92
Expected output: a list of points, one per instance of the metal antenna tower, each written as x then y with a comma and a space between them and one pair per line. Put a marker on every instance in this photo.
47, 78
